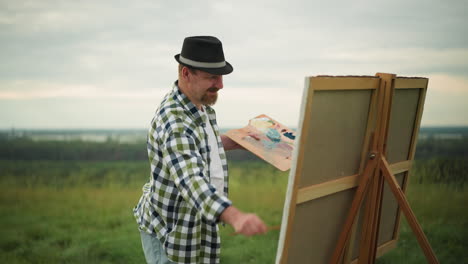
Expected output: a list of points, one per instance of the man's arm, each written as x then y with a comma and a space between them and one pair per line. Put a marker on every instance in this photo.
181, 154
245, 224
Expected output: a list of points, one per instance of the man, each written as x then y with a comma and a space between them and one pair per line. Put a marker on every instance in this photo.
186, 196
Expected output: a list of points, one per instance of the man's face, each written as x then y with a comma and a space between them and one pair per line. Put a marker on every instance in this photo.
205, 87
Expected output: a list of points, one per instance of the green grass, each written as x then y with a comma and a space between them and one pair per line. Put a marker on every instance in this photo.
257, 188
73, 225
442, 212
81, 212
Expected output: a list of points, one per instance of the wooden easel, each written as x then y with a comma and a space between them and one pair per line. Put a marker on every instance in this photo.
371, 183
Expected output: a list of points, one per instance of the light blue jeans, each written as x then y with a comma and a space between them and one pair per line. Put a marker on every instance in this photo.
154, 252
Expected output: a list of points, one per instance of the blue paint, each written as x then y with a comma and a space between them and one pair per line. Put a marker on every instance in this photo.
273, 135
289, 135
269, 144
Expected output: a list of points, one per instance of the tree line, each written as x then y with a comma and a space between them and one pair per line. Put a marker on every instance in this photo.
27, 149
437, 160
24, 148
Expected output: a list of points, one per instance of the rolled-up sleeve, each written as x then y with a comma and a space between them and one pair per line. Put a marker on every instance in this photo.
186, 167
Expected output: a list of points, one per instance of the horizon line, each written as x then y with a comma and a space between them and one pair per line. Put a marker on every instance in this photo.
136, 129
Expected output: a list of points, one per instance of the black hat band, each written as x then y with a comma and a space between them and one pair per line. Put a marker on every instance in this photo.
201, 64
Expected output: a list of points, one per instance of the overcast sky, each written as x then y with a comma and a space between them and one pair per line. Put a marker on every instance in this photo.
107, 64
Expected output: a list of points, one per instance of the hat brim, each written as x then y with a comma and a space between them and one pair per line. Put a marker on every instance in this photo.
217, 71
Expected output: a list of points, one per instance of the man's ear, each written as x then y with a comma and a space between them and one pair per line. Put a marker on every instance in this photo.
185, 73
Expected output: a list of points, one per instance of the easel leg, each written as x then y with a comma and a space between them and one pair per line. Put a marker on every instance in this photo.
405, 207
369, 237
368, 229
356, 204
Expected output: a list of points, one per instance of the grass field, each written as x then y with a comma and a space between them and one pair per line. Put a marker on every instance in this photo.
81, 212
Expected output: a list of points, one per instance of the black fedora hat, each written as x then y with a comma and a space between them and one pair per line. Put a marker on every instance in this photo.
204, 53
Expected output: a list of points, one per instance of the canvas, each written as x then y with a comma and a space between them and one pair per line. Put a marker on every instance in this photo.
339, 117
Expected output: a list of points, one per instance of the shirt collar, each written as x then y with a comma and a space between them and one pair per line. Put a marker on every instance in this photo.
179, 96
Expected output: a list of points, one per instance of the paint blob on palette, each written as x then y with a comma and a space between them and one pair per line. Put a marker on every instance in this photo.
268, 139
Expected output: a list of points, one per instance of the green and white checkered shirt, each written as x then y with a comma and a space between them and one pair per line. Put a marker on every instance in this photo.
179, 204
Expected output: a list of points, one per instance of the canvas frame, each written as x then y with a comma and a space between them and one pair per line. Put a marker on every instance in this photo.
298, 227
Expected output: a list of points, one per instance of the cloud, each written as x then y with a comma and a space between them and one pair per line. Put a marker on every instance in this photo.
446, 101
27, 89
453, 85
110, 52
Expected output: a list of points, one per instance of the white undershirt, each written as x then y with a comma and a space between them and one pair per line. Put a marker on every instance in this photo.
216, 168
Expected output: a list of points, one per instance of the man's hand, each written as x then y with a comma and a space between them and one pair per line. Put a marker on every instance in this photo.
230, 144
245, 224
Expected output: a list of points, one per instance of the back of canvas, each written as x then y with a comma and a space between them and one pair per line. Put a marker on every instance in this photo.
338, 116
